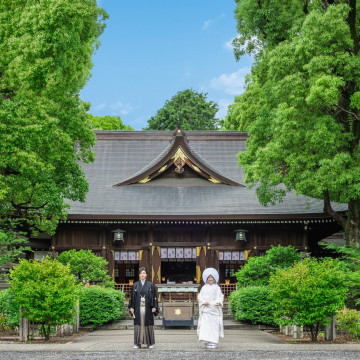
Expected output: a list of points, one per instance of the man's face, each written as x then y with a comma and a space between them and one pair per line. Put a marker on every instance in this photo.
143, 275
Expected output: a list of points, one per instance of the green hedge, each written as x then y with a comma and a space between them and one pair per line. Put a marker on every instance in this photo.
9, 308
252, 304
99, 306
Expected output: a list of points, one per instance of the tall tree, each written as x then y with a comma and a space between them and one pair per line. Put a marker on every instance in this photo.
190, 109
241, 113
45, 59
305, 81
108, 122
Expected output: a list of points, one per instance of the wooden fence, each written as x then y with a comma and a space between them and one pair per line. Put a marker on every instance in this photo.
225, 288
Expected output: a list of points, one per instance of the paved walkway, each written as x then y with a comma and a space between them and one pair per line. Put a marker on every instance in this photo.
176, 340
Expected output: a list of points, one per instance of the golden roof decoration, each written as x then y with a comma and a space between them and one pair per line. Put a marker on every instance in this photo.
180, 154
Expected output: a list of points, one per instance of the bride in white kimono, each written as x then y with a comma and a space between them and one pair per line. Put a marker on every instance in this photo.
210, 325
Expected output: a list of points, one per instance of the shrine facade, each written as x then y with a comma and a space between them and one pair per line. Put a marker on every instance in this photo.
175, 202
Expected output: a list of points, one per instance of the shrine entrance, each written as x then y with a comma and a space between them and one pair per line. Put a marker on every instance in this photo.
178, 271
126, 267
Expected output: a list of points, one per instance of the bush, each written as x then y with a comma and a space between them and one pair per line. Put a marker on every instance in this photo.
309, 293
9, 308
252, 304
46, 292
347, 320
99, 306
350, 255
3, 323
234, 300
85, 265
258, 269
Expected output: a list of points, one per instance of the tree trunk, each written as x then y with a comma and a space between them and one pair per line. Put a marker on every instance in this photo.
353, 223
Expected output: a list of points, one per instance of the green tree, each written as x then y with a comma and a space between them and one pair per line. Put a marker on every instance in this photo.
45, 59
46, 291
242, 113
11, 247
108, 123
190, 109
258, 269
308, 293
350, 255
305, 82
84, 264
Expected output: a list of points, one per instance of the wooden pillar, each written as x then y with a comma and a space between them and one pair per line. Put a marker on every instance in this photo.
305, 239
200, 262
110, 257
155, 264
144, 260
213, 259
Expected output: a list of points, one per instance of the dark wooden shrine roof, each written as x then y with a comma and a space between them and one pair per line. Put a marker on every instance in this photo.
122, 158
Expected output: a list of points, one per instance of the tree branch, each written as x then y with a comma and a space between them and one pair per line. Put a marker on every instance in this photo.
348, 112
305, 7
330, 211
325, 5
26, 208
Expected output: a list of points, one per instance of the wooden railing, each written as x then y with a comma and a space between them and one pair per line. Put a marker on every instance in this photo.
125, 288
225, 288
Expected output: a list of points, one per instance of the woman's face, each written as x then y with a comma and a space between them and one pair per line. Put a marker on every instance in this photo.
143, 275
210, 279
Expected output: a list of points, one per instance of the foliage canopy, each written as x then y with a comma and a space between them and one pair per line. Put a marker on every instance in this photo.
45, 59
85, 265
303, 100
258, 269
190, 109
108, 122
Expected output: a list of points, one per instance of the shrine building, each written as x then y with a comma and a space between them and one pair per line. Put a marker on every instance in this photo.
176, 203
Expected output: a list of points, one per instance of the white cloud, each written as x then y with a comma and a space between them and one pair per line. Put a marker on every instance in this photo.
124, 109
232, 84
100, 106
223, 107
210, 22
207, 24
228, 44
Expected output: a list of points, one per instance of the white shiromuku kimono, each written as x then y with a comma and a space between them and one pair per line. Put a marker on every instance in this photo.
210, 325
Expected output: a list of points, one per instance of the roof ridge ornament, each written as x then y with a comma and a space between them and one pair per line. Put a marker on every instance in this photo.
179, 131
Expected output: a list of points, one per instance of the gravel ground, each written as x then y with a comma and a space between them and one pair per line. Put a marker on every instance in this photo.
164, 355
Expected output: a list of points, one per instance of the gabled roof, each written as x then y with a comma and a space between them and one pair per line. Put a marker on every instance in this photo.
124, 158
179, 154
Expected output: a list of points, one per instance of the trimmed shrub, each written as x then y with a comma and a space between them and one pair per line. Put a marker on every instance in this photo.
234, 300
252, 304
9, 308
347, 320
99, 306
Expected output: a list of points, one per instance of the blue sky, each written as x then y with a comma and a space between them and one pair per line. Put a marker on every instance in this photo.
150, 50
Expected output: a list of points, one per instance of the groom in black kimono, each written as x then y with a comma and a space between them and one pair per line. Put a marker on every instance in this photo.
143, 305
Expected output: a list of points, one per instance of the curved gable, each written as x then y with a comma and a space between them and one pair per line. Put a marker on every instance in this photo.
180, 160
